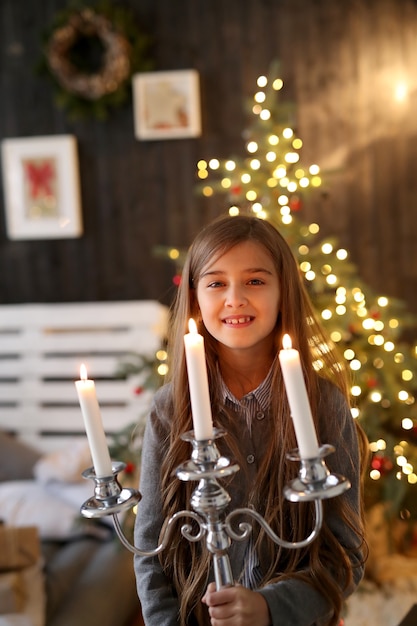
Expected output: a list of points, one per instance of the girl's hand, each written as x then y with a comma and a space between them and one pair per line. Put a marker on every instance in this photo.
236, 606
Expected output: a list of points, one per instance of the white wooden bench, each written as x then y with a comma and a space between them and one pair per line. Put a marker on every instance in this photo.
41, 349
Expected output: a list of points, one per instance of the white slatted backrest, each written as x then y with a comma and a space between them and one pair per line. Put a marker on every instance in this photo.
41, 349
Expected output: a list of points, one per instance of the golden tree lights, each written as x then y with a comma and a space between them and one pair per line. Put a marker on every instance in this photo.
367, 330
271, 181
270, 167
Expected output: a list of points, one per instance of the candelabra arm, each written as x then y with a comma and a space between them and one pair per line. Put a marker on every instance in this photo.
185, 530
245, 528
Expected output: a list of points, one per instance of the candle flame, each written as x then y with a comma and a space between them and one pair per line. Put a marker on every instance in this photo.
192, 326
286, 342
83, 372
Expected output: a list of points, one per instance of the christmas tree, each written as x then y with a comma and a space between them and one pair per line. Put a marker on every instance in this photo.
271, 181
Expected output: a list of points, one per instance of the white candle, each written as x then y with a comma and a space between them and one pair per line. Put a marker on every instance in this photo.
198, 383
93, 424
298, 400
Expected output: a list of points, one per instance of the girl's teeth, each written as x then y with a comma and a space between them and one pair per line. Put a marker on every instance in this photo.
241, 320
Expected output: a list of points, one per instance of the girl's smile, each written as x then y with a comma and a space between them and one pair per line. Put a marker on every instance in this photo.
237, 321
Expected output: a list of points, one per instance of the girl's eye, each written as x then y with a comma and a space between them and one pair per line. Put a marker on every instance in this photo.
256, 281
214, 284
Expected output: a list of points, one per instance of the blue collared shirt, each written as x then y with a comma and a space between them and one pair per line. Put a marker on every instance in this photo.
253, 405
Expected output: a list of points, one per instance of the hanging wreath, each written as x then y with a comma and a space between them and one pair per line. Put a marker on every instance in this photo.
91, 54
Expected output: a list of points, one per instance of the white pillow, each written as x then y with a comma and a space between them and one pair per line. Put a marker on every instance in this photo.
64, 465
72, 494
28, 503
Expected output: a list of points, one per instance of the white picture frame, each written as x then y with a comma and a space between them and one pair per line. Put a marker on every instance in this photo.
166, 105
41, 187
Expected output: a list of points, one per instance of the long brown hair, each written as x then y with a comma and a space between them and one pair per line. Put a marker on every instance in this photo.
188, 564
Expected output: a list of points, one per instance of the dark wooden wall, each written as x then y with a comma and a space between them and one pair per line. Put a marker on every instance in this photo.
340, 62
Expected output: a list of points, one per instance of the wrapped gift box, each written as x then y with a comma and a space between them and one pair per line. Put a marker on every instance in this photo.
12, 594
19, 547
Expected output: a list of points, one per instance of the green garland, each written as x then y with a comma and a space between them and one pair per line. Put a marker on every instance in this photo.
90, 54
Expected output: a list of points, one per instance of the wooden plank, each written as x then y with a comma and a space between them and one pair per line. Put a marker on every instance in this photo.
35, 390
64, 366
87, 342
69, 418
80, 314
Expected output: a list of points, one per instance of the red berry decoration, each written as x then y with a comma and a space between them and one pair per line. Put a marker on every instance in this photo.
295, 203
376, 463
130, 467
382, 463
387, 465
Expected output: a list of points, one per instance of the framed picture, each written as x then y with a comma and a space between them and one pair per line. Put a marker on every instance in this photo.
166, 104
41, 187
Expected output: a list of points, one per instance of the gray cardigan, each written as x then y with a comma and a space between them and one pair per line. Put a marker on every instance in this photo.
291, 602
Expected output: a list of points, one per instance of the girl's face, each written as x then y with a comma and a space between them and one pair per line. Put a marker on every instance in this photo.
239, 297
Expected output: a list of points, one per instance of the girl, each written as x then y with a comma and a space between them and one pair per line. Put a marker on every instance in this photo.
242, 284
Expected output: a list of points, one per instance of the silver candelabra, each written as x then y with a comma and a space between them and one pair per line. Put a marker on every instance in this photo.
210, 500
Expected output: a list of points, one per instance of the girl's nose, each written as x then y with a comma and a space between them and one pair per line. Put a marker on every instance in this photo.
235, 296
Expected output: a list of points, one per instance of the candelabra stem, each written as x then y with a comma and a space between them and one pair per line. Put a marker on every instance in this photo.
222, 571
210, 500
217, 540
